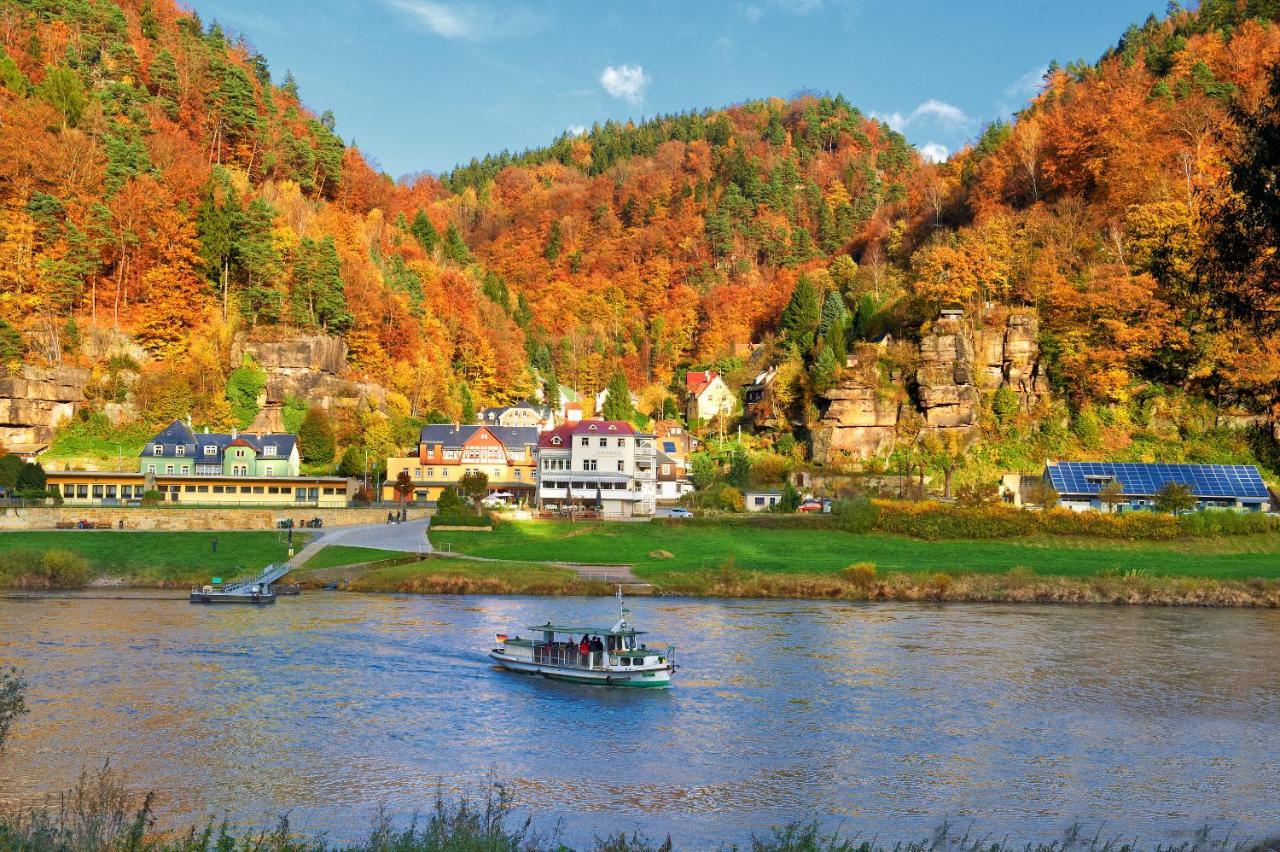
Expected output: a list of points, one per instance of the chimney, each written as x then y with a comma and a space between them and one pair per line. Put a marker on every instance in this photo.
235, 433
188, 419
206, 430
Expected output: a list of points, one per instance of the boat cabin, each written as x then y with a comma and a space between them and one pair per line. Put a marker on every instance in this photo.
609, 648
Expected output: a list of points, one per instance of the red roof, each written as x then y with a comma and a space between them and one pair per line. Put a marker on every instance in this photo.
696, 382
603, 428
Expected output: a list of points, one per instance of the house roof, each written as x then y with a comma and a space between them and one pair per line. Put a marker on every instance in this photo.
602, 428
494, 413
179, 434
453, 435
697, 381
1145, 480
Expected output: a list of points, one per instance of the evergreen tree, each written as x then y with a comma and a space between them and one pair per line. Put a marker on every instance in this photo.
11, 345
555, 243
825, 369
11, 76
833, 312
455, 248
164, 83
63, 89
739, 469
261, 264
318, 294
147, 21
801, 316
617, 403
244, 385
424, 233
315, 437
468, 406
551, 391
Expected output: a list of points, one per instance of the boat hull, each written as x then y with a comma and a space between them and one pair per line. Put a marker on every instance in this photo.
642, 679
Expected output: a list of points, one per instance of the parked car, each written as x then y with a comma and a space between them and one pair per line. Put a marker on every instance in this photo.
815, 506
679, 512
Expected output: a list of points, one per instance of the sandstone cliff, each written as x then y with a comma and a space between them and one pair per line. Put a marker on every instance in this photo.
33, 401
308, 367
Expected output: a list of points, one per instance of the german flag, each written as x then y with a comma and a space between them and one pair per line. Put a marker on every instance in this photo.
500, 637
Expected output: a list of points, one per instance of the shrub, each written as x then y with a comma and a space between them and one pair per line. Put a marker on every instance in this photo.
18, 563
856, 514
152, 497
12, 702
65, 569
860, 575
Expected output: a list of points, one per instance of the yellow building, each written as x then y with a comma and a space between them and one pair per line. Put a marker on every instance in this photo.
125, 488
448, 452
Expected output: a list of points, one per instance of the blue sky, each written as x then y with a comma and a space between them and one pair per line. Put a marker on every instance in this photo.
427, 84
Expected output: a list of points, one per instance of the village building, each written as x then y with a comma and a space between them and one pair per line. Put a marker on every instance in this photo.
708, 396
1079, 485
675, 440
761, 501
757, 396
127, 488
603, 465
520, 414
507, 455
181, 451
672, 480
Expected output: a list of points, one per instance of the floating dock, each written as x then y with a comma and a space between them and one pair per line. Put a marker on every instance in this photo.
257, 591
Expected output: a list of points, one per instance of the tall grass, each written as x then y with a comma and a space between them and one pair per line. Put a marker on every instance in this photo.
99, 814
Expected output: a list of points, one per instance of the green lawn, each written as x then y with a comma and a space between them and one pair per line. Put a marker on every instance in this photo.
338, 554
813, 551
172, 556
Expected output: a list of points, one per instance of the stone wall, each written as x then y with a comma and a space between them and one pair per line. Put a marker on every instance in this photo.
35, 399
192, 519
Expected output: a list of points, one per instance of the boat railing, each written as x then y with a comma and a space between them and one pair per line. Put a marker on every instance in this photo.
570, 658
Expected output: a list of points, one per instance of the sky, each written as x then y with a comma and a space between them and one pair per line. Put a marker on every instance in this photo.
428, 84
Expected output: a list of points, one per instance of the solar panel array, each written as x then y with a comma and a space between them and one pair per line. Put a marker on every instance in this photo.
1204, 480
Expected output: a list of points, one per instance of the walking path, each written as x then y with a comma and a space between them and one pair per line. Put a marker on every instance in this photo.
409, 537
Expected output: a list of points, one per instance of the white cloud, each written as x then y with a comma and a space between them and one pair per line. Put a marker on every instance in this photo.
932, 111
469, 21
933, 152
1028, 85
626, 82
752, 14
800, 7
577, 129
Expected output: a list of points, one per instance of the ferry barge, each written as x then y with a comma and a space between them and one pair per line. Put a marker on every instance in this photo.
604, 656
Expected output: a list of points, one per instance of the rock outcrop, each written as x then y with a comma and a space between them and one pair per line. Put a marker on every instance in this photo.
945, 379
308, 367
35, 399
861, 416
1020, 359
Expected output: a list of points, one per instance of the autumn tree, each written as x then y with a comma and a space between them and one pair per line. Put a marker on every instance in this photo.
315, 437
475, 486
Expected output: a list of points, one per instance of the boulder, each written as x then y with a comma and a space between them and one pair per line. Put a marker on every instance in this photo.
945, 376
35, 399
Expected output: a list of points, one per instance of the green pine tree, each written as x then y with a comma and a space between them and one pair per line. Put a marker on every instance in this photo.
424, 233
617, 404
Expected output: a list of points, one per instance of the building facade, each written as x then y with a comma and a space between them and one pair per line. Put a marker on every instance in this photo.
604, 465
672, 478
126, 488
507, 455
180, 451
521, 414
708, 396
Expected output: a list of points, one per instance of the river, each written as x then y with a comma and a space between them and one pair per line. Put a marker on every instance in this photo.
882, 718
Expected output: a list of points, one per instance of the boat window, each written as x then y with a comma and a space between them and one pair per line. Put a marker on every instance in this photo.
626, 661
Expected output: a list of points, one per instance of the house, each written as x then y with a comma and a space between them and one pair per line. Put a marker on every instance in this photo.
708, 396
449, 451
600, 464
675, 440
757, 397
180, 451
672, 481
124, 488
761, 501
520, 414
1214, 486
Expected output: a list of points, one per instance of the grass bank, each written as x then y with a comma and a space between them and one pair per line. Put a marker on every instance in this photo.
740, 560
160, 559
335, 555
444, 575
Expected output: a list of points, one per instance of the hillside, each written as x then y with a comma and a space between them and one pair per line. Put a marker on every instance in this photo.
159, 188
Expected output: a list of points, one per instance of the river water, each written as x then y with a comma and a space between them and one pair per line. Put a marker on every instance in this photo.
880, 718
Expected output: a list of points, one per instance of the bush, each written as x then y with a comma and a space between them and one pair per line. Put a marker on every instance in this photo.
721, 497
860, 575
12, 702
65, 569
152, 497
18, 563
856, 514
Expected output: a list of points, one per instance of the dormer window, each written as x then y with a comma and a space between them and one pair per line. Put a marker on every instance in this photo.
556, 440
269, 450
592, 427
180, 450
210, 449
613, 428
157, 450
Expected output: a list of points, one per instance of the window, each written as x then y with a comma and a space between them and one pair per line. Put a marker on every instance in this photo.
759, 501
517, 474
271, 471
286, 490
257, 489
157, 450
202, 489
604, 442
190, 489
239, 454
269, 450
666, 470
210, 449
273, 490
589, 464
168, 468
585, 439
82, 491
97, 492
622, 466
417, 473
126, 491
69, 490
556, 440
151, 468
245, 489
622, 442
180, 450
218, 489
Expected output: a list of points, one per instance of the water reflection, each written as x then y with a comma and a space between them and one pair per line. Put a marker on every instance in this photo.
886, 718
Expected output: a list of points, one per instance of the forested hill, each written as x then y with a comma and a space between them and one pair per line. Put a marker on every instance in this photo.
156, 179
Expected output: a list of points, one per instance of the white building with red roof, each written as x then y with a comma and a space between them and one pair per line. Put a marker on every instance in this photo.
708, 396
604, 465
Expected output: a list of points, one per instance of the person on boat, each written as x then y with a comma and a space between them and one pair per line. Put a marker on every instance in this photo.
583, 647
597, 645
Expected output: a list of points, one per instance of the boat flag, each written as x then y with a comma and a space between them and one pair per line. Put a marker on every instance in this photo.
501, 637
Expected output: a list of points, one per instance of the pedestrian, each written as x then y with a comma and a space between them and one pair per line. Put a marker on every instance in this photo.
214, 544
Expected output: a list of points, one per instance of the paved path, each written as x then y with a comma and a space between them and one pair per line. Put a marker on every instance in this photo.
409, 537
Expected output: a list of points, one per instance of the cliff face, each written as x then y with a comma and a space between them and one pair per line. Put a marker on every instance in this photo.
35, 399
308, 367
956, 363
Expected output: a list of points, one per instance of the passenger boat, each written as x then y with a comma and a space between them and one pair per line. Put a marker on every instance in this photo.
618, 658
256, 591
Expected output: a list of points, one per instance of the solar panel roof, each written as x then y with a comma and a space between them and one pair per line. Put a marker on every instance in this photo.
1204, 480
